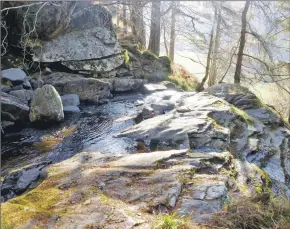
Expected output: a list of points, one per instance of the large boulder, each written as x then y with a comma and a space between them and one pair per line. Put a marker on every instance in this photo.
80, 35
88, 89
13, 109
46, 105
201, 120
70, 100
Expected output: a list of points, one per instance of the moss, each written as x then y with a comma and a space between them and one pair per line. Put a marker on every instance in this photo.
37, 203
242, 114
127, 58
33, 43
149, 55
165, 60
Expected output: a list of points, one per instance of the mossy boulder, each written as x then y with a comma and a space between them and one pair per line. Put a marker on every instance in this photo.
46, 105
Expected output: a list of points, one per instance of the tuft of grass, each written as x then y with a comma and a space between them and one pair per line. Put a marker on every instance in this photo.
263, 211
172, 221
182, 78
48, 143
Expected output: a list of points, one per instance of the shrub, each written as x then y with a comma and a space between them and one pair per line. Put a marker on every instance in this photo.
149, 55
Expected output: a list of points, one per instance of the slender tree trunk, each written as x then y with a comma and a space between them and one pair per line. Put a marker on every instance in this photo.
154, 40
172, 31
125, 18
213, 73
138, 28
200, 87
164, 38
237, 76
118, 15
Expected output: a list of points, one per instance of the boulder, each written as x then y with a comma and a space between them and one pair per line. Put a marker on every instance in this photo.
36, 83
17, 87
15, 75
201, 120
46, 105
13, 109
88, 89
70, 100
71, 109
23, 95
150, 88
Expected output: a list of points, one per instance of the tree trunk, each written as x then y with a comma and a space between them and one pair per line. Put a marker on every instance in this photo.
138, 28
213, 73
154, 40
172, 32
125, 18
237, 76
200, 87
118, 15
164, 38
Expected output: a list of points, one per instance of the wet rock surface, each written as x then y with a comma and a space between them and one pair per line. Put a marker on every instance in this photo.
196, 157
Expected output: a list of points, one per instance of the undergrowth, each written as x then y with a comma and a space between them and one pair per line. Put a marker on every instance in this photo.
172, 221
260, 212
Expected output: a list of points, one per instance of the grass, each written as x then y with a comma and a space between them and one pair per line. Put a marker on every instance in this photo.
260, 212
49, 142
172, 221
182, 78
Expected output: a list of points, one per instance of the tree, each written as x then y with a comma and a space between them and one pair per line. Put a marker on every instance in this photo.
237, 76
172, 31
125, 17
138, 28
154, 39
213, 72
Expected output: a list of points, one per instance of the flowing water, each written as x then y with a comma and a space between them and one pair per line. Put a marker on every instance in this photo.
96, 127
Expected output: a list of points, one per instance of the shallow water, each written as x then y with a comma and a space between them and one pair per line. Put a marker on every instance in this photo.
96, 127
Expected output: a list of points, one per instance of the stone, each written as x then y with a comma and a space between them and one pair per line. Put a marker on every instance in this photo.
47, 71
36, 83
70, 100
5, 88
13, 109
237, 95
26, 84
147, 112
24, 95
46, 105
17, 182
88, 89
163, 106
71, 109
150, 88
15, 75
125, 84
17, 87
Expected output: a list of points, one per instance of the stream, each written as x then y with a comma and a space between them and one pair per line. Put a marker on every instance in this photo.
96, 127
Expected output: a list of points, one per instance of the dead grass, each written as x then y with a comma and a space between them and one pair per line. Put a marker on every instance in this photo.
49, 142
183, 78
261, 212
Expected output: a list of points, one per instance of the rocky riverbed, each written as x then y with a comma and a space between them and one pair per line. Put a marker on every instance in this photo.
188, 153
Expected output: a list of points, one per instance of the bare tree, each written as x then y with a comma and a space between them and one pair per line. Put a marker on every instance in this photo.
138, 28
237, 76
172, 31
154, 40
213, 72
